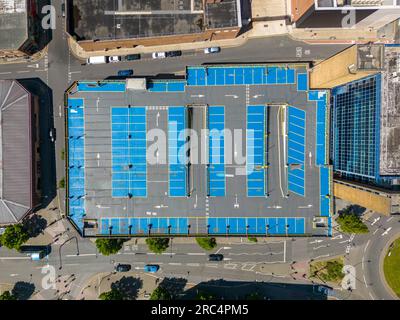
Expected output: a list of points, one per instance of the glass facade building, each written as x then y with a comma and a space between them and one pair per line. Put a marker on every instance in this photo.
355, 129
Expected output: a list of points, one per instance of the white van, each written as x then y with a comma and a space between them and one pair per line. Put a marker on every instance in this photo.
96, 60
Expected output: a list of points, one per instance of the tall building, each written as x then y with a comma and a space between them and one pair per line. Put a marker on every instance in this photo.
365, 144
19, 152
344, 13
112, 24
21, 33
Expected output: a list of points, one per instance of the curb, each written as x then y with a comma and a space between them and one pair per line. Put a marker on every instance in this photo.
381, 262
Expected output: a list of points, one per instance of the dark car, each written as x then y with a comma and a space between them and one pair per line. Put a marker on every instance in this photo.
174, 53
125, 73
131, 57
52, 134
215, 257
122, 267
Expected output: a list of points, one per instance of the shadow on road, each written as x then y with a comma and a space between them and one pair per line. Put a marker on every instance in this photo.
234, 290
23, 290
129, 286
48, 181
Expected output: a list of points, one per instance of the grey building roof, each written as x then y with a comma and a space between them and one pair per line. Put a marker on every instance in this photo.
15, 152
123, 19
13, 23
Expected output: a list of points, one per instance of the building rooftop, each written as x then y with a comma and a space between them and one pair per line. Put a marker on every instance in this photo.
122, 19
13, 23
390, 114
15, 152
117, 180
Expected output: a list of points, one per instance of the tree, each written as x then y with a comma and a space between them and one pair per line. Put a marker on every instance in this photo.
157, 245
113, 294
350, 222
203, 295
160, 293
109, 246
6, 295
207, 243
14, 236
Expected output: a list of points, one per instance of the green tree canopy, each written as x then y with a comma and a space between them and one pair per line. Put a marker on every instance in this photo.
6, 295
203, 295
113, 294
109, 246
14, 236
350, 222
160, 293
207, 243
157, 245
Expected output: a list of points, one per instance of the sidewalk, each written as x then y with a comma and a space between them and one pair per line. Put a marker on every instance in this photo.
27, 59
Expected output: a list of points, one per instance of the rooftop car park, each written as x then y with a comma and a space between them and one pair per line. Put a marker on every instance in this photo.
229, 150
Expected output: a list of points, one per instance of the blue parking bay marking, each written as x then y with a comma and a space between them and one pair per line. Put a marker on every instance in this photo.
176, 153
302, 82
76, 160
129, 166
255, 150
142, 226
296, 149
256, 225
324, 187
216, 167
320, 97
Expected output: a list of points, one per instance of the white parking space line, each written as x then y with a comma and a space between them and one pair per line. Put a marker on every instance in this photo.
196, 254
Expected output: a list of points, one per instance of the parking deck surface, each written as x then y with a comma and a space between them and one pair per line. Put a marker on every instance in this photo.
278, 179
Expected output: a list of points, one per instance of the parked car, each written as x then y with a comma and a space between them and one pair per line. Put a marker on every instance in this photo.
96, 60
159, 55
52, 134
131, 57
174, 53
212, 50
122, 267
114, 59
63, 9
151, 268
215, 257
125, 73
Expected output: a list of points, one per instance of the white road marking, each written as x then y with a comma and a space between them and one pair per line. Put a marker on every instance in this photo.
389, 219
196, 254
375, 231
310, 156
372, 297
211, 265
365, 248
175, 264
305, 207
14, 274
158, 116
375, 221
193, 264
15, 258
81, 255
24, 71
339, 236
197, 95
5, 72
365, 281
230, 266
234, 96
316, 241
387, 231
319, 247
323, 256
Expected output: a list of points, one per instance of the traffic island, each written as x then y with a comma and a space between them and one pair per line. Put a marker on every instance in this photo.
391, 266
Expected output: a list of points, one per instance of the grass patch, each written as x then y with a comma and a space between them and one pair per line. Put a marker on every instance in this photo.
391, 267
252, 239
328, 270
62, 154
207, 243
61, 183
157, 245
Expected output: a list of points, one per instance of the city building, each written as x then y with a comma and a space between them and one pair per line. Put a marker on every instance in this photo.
21, 33
365, 144
232, 150
19, 152
109, 24
344, 13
